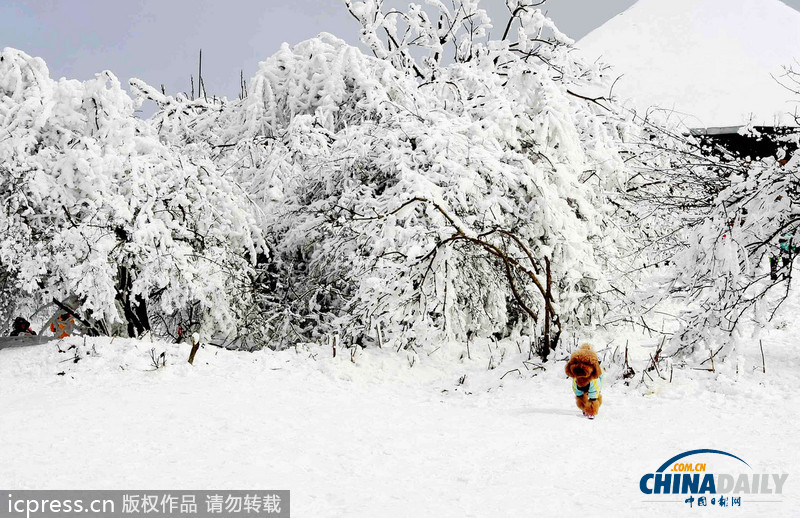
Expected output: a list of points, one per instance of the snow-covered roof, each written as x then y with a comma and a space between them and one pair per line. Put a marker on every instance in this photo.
716, 61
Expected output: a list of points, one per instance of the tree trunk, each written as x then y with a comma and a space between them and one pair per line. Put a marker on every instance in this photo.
547, 316
135, 312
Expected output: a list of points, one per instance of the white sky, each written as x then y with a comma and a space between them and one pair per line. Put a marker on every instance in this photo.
158, 40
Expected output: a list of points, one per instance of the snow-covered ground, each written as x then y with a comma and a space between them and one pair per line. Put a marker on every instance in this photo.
376, 436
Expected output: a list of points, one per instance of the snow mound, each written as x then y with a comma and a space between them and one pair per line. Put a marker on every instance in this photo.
713, 61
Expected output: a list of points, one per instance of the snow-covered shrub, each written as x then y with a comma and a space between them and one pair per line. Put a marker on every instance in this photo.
707, 224
403, 199
95, 205
724, 274
410, 200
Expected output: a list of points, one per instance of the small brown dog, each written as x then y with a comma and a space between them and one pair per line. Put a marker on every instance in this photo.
587, 378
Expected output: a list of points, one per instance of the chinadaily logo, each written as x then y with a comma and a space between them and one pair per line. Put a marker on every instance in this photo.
717, 478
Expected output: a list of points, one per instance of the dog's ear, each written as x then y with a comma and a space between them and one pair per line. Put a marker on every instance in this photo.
590, 360
596, 369
568, 368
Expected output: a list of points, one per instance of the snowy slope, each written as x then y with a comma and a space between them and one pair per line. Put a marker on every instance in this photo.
712, 60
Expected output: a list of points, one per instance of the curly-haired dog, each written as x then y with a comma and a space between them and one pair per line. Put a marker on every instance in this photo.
587, 378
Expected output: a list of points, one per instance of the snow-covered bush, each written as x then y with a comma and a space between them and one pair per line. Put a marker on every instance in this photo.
408, 200
95, 205
402, 199
708, 226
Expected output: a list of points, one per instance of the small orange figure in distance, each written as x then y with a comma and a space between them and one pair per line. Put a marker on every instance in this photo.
64, 326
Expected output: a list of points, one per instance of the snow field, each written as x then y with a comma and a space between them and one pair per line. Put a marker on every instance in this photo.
376, 436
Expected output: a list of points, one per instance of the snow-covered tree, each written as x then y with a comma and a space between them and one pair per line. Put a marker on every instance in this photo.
715, 239
96, 206
416, 196
452, 185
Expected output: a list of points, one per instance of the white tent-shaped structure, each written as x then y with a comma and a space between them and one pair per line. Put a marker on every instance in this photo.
716, 64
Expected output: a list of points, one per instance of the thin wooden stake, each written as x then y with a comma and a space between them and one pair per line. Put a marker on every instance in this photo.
195, 347
713, 368
200, 77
